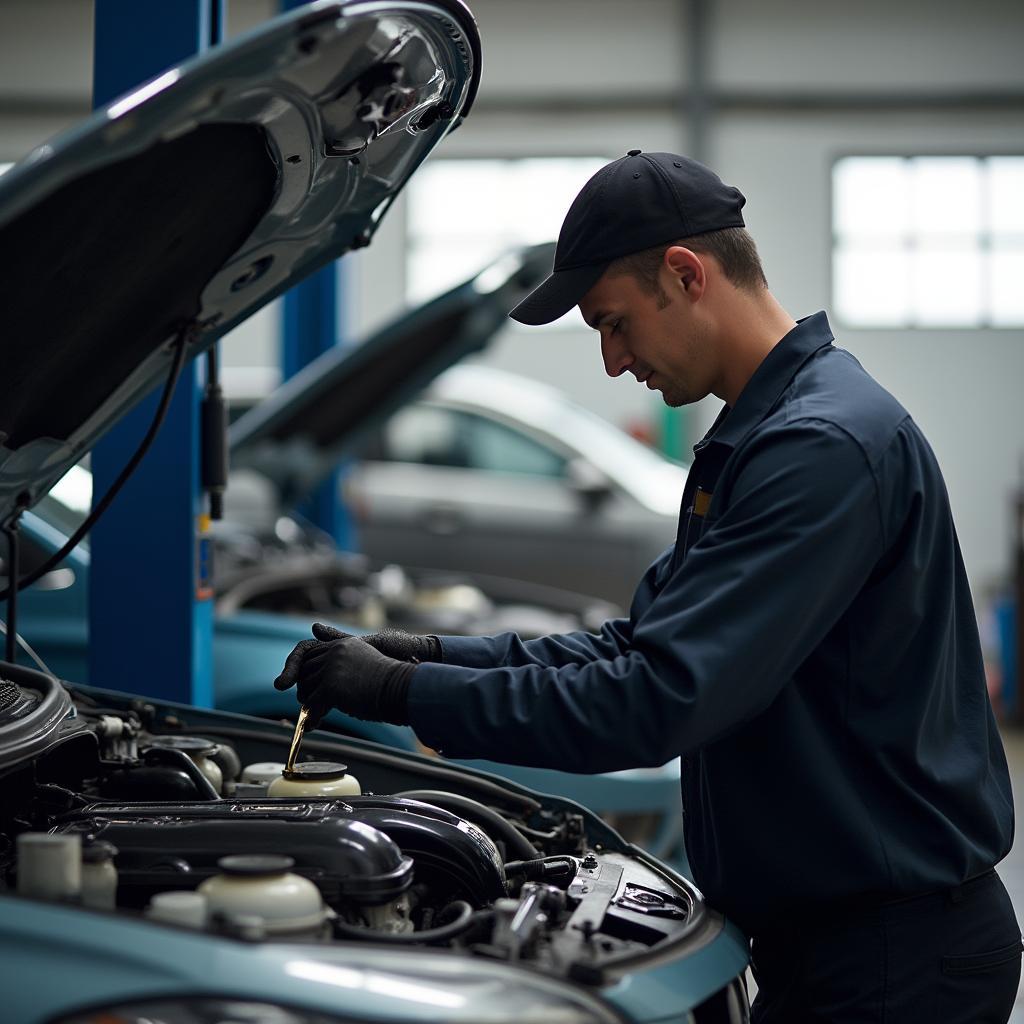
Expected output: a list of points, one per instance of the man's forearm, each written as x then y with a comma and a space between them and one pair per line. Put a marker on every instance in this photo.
507, 650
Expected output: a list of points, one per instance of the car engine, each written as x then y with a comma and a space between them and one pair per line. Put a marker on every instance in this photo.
163, 812
291, 567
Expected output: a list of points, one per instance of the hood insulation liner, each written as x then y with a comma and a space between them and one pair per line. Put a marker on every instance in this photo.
128, 249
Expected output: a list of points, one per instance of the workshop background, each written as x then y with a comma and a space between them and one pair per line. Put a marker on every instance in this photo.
881, 150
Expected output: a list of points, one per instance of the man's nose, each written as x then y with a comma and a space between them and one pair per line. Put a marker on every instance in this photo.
616, 359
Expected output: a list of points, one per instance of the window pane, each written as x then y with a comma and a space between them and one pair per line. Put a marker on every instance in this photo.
436, 267
451, 195
463, 213
1006, 285
1006, 195
872, 285
958, 261
499, 449
425, 435
947, 286
946, 196
871, 197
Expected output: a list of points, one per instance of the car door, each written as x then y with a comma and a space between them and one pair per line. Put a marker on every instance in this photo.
452, 488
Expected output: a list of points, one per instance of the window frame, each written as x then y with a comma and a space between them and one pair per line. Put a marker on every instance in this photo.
903, 153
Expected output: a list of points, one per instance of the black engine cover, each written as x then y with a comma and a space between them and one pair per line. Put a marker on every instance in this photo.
363, 850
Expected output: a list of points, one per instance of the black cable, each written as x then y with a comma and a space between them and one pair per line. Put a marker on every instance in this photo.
11, 529
181, 343
516, 844
465, 918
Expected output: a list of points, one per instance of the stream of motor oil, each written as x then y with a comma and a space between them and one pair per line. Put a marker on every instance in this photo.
300, 728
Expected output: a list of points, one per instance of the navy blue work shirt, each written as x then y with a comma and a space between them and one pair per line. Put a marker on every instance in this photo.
808, 645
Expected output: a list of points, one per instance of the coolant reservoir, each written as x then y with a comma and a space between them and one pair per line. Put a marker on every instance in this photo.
315, 778
263, 887
200, 751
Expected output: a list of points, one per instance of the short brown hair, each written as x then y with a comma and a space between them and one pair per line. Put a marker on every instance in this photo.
732, 247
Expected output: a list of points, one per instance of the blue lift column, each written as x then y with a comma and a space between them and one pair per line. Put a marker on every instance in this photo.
150, 607
311, 325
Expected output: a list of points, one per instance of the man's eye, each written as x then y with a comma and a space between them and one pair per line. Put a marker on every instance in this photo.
615, 326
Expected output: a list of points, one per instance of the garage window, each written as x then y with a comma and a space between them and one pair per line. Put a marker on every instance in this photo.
929, 241
463, 213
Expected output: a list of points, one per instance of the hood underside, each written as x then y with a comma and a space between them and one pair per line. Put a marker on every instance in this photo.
185, 206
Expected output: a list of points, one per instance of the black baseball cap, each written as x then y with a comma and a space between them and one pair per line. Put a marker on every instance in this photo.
636, 202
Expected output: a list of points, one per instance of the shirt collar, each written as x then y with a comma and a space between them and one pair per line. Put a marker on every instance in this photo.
770, 379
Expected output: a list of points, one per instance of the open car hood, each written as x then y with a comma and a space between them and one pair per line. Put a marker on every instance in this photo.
183, 207
298, 434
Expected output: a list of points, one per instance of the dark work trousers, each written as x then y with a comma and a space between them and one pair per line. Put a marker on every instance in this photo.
949, 957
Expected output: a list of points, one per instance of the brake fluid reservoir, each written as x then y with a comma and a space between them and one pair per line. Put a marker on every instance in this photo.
263, 887
315, 778
99, 876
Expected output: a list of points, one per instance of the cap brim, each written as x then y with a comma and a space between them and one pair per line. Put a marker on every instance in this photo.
557, 295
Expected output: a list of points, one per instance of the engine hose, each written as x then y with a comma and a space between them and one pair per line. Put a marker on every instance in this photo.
516, 844
464, 919
542, 868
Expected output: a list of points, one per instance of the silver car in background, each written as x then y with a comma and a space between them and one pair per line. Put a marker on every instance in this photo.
489, 472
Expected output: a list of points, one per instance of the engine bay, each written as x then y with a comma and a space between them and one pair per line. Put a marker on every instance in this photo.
288, 566
179, 816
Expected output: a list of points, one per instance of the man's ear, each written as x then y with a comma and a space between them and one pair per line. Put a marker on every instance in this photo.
685, 266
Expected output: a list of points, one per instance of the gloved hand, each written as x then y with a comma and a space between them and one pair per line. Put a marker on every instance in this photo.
395, 643
351, 675
390, 642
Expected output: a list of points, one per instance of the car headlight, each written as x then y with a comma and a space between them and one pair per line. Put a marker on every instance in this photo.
198, 1010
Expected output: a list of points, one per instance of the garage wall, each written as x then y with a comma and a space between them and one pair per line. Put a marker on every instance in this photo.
795, 83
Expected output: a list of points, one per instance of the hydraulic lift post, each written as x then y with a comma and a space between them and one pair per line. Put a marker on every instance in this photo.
150, 603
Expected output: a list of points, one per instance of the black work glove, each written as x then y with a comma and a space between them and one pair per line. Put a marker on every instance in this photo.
395, 643
392, 643
351, 675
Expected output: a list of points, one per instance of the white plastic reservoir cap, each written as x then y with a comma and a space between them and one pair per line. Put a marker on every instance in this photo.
262, 773
188, 909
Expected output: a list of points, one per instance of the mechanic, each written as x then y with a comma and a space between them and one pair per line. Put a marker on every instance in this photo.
808, 645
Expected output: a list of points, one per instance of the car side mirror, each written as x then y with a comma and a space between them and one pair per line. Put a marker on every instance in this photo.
589, 482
